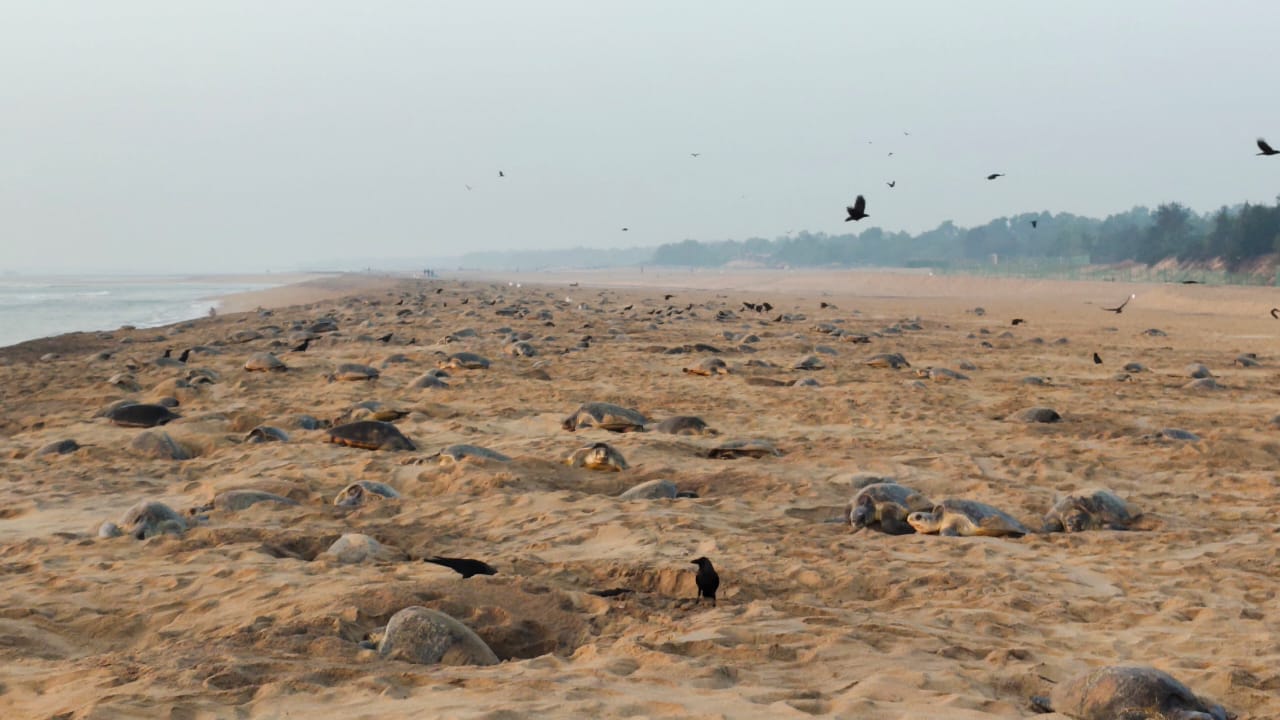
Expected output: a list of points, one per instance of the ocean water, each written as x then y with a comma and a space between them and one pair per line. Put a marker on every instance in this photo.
39, 307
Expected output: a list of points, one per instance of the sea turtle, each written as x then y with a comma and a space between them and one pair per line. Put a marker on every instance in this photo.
60, 447
149, 518
733, 449
362, 491
520, 348
887, 360
810, 362
651, 490
1178, 434
142, 415
885, 506
1247, 360
427, 637
1036, 415
244, 336
1120, 692
125, 382
370, 435
597, 456
1134, 367
966, 518
465, 360
761, 381
455, 454
429, 381
371, 410
1090, 510
1198, 370
940, 374
323, 325
353, 372
264, 362
606, 416
234, 500
707, 367
266, 433
684, 425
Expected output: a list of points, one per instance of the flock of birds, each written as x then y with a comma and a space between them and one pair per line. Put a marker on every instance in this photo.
858, 210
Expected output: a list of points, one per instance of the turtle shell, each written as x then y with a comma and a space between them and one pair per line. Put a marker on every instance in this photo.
1112, 692
887, 360
1090, 510
753, 448
264, 362
458, 453
466, 361
884, 506
362, 491
370, 435
607, 416
708, 366
143, 415
684, 425
266, 433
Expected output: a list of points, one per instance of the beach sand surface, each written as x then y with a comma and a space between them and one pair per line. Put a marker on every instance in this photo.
245, 615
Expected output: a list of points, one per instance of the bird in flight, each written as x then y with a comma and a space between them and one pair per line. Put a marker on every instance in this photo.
1275, 313
1266, 149
501, 174
1035, 224
890, 154
1120, 308
625, 229
858, 210
892, 183
694, 154
993, 176
467, 187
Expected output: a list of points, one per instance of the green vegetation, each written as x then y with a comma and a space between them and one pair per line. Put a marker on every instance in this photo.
1225, 246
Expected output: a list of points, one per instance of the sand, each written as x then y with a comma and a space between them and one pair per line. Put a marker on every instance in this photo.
244, 615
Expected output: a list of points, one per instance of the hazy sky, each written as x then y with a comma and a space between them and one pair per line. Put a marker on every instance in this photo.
228, 135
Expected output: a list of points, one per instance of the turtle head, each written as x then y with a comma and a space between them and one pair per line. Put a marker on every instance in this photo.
925, 522
863, 512
351, 496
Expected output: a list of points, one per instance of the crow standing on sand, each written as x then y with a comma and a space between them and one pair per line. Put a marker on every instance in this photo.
466, 567
857, 210
707, 579
1266, 149
302, 346
1096, 359
1120, 308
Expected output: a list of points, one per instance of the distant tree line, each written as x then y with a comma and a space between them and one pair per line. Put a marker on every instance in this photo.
1237, 236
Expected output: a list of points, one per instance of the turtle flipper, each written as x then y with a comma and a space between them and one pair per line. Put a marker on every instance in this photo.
949, 531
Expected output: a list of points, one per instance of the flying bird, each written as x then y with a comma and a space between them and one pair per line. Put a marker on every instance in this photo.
501, 174
993, 176
1035, 224
694, 154
466, 567
707, 578
625, 229
890, 154
1120, 308
1097, 360
1275, 313
857, 211
1266, 149
892, 183
668, 296
467, 187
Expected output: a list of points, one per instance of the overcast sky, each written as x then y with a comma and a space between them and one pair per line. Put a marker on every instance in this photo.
244, 135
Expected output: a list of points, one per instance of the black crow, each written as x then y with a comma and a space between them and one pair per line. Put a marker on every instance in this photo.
858, 210
707, 579
993, 176
1097, 360
466, 567
1120, 308
1266, 149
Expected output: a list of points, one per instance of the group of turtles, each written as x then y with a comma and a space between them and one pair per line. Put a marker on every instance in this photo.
896, 509
885, 506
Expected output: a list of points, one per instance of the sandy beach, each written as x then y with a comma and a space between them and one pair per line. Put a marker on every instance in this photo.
244, 612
